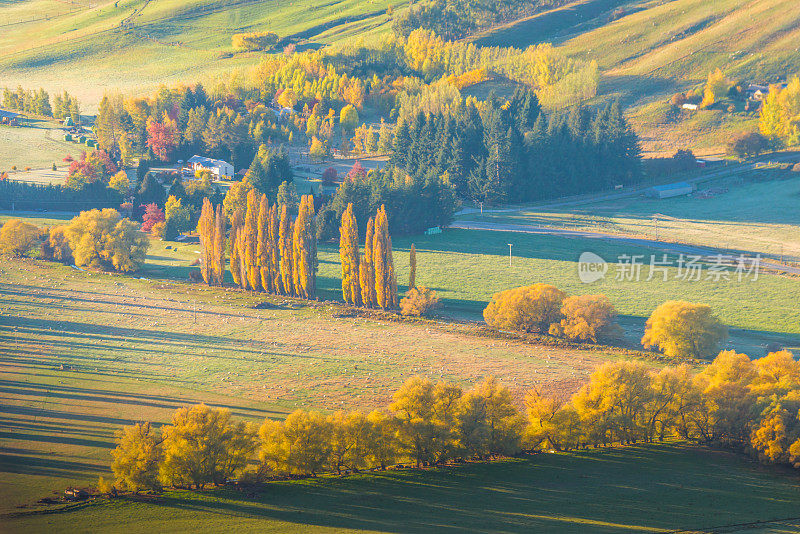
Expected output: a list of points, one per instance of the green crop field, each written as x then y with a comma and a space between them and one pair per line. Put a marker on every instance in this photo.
672, 487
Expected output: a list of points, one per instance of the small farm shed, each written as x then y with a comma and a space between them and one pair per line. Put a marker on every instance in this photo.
8, 117
219, 168
670, 190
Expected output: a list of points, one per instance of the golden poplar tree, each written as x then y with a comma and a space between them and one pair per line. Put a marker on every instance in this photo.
412, 267
304, 250
236, 259
205, 228
349, 255
219, 246
285, 245
274, 250
367, 268
263, 250
385, 280
251, 242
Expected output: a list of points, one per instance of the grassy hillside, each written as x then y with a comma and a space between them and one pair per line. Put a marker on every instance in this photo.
139, 44
654, 49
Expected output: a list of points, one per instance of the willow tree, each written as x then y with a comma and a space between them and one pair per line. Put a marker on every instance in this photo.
349, 255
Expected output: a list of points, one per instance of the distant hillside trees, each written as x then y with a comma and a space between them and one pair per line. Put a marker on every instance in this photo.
28, 101
254, 41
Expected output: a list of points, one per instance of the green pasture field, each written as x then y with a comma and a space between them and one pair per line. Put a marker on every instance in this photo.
37, 145
644, 489
753, 216
466, 267
82, 353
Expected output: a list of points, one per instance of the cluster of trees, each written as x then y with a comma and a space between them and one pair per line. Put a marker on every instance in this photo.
27, 196
780, 114
494, 150
369, 279
414, 202
679, 329
747, 405
273, 249
37, 102
254, 41
92, 168
96, 238
543, 308
454, 19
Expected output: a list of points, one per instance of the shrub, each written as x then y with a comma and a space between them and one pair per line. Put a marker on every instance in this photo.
329, 176
586, 318
419, 301
529, 308
120, 182
254, 41
18, 237
680, 328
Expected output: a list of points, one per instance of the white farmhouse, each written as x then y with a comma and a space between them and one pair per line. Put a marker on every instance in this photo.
221, 169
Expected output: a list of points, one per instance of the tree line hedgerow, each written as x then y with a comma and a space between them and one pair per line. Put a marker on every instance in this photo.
735, 402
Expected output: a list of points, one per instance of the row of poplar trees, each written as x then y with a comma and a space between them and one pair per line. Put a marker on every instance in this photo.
369, 279
269, 249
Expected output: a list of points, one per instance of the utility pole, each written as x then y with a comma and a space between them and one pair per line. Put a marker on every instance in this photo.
509, 253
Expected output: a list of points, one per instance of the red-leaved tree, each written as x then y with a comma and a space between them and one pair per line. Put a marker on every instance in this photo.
152, 216
162, 137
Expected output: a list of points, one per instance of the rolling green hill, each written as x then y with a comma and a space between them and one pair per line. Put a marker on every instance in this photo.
649, 50
139, 44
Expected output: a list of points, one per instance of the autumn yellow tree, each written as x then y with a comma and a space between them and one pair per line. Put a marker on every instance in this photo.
205, 229
286, 251
219, 246
529, 308
586, 318
684, 329
367, 268
349, 256
385, 280
264, 246
299, 445
137, 457
233, 245
202, 446
304, 250
250, 244
18, 237
274, 249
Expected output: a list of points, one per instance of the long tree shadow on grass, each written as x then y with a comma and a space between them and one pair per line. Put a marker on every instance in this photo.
633, 489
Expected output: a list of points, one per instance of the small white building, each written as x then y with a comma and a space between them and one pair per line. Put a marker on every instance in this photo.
690, 107
221, 169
